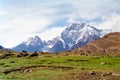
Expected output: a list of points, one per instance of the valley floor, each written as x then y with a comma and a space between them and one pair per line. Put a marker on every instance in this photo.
56, 67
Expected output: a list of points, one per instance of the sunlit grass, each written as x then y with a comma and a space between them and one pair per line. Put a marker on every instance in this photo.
87, 63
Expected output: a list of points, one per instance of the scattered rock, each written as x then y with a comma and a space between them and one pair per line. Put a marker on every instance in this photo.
34, 54
22, 54
27, 71
115, 74
103, 63
92, 73
107, 74
24, 51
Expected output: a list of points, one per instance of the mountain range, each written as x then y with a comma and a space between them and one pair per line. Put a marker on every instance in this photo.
74, 36
31, 44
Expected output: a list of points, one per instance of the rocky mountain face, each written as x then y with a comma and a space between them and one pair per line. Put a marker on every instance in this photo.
109, 44
74, 36
55, 45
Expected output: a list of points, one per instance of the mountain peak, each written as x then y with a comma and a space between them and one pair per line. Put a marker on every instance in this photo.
36, 37
76, 26
33, 40
31, 44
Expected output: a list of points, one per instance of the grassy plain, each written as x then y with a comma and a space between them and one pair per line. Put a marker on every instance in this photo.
56, 67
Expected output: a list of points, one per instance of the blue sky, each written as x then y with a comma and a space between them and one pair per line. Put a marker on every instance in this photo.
20, 19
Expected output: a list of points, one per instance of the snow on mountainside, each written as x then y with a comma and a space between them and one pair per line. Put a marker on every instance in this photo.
32, 44
77, 32
74, 36
56, 45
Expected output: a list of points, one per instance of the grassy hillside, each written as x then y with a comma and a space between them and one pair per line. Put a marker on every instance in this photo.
59, 67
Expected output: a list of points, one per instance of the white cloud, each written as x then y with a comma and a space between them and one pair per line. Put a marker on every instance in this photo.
51, 33
16, 31
13, 39
111, 23
16, 28
95, 8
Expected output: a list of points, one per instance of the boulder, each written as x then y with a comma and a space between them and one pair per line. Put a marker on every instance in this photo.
34, 54
27, 71
92, 73
103, 63
22, 54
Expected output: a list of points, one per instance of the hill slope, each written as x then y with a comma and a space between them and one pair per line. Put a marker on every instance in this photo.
107, 44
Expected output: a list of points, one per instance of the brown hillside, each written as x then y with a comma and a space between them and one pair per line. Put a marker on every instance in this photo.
109, 44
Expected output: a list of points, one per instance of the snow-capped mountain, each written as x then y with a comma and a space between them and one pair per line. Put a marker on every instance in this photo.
32, 44
74, 36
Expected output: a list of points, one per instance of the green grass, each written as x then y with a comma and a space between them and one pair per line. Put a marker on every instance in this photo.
88, 63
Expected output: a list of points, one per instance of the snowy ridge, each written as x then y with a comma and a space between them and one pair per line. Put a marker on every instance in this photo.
31, 44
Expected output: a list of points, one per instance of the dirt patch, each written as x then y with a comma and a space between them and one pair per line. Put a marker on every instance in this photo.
92, 75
